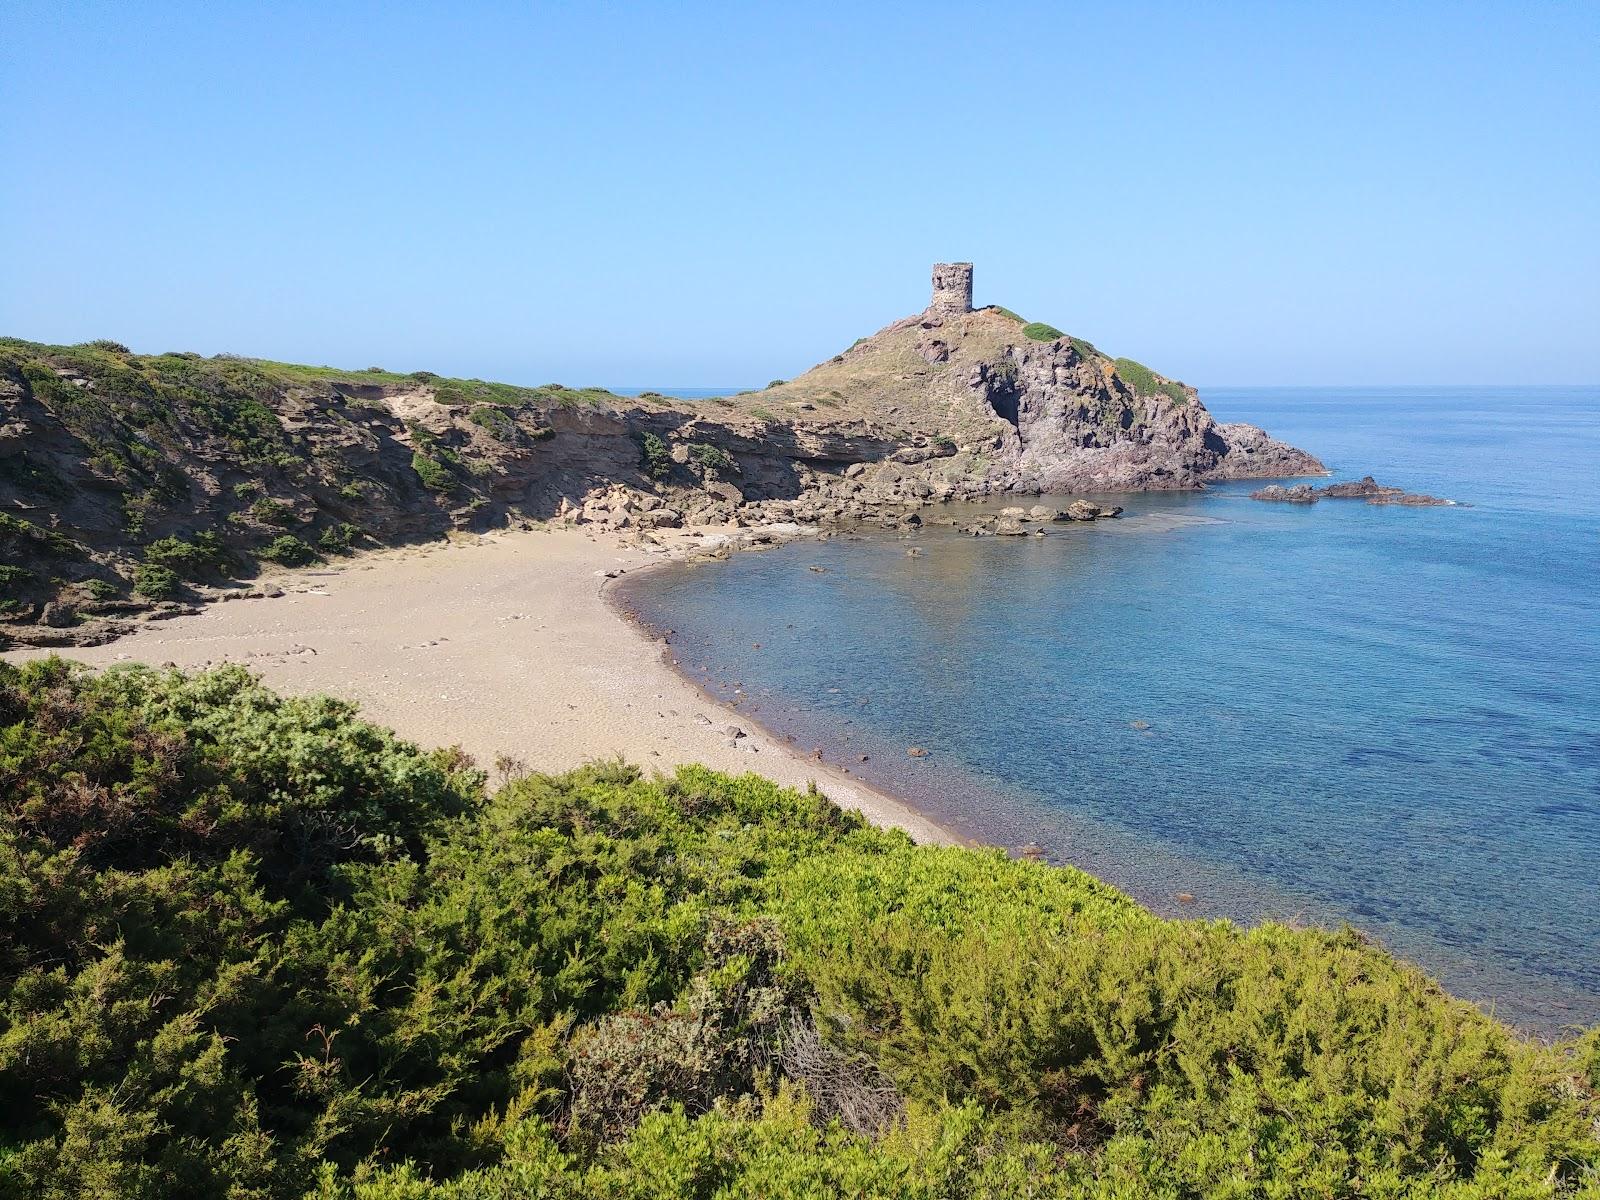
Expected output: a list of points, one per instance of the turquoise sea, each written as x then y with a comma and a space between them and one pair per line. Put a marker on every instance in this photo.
1338, 713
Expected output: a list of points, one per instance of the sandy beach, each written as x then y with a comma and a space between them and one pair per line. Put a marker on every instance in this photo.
503, 644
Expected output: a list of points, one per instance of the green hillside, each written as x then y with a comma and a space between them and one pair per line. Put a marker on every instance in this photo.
255, 947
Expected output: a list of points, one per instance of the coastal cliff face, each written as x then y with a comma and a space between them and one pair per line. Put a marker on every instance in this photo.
132, 486
1002, 406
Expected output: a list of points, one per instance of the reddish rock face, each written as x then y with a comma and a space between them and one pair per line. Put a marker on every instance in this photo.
1076, 427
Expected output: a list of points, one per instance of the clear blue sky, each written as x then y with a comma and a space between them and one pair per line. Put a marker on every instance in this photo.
682, 194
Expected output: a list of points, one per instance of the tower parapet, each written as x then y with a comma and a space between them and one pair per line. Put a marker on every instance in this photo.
952, 289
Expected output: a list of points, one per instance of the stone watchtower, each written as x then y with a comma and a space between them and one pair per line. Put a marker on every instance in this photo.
952, 289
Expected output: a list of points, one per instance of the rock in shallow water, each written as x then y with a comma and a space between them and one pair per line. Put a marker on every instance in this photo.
1366, 488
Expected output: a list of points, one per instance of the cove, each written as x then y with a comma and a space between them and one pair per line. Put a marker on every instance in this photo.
1339, 713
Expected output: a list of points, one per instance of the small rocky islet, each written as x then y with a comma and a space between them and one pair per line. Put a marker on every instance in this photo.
134, 487
1366, 488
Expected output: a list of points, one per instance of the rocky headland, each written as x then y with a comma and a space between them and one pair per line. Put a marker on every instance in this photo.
133, 487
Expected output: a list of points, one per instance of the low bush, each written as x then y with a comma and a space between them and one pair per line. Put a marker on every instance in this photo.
655, 460
339, 539
435, 476
14, 577
1038, 331
288, 551
272, 512
154, 581
19, 534
712, 458
254, 946
1146, 382
497, 421
196, 558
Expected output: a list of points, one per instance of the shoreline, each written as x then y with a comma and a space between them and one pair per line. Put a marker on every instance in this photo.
1168, 879
524, 622
507, 648
896, 811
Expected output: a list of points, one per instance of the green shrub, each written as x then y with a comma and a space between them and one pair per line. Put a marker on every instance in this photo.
1038, 331
1006, 312
13, 581
1146, 382
655, 460
435, 476
777, 383
708, 1045
108, 345
17, 532
339, 539
255, 946
288, 551
272, 512
155, 582
194, 559
102, 589
497, 421
712, 458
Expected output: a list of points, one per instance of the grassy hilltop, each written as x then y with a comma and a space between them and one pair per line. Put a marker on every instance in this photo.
254, 947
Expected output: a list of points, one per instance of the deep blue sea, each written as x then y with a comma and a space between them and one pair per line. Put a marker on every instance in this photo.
1335, 713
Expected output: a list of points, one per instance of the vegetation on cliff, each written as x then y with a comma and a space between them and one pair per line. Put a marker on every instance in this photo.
256, 947
138, 476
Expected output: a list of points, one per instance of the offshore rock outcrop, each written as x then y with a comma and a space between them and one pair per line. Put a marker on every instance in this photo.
1366, 488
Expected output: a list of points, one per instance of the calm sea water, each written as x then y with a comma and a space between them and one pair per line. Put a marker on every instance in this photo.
1344, 712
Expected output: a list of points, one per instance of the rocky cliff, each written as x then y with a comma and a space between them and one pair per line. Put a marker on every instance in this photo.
132, 485
1012, 407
